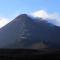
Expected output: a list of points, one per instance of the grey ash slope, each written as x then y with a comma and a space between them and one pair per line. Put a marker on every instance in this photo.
25, 32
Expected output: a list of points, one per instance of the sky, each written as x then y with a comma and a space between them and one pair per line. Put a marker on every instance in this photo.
9, 9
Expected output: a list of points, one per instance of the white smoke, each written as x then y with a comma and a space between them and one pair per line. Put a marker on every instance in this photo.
51, 17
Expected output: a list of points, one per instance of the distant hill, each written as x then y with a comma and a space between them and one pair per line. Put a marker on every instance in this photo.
32, 33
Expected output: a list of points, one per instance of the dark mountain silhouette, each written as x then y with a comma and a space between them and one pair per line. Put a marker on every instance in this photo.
27, 32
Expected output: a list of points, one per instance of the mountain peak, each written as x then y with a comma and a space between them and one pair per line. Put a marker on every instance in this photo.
22, 16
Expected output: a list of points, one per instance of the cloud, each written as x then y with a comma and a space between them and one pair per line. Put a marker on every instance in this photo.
40, 13
3, 22
50, 17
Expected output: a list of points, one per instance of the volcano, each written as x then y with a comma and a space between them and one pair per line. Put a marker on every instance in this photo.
32, 33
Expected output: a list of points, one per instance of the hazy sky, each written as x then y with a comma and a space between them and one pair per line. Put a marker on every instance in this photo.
9, 9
